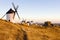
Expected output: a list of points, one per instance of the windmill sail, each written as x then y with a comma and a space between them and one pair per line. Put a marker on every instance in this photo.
15, 8
18, 15
3, 16
13, 5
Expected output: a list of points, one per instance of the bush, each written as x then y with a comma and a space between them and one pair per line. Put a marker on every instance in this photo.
48, 23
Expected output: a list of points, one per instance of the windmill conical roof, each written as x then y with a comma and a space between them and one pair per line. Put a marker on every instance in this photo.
10, 11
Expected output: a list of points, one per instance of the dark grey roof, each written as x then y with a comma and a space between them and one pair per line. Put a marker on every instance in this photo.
10, 11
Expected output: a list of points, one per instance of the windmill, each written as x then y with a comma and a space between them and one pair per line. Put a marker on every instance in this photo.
10, 14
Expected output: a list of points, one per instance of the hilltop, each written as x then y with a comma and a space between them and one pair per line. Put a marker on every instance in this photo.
12, 31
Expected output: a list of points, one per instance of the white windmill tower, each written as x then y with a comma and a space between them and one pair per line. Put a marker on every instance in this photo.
10, 14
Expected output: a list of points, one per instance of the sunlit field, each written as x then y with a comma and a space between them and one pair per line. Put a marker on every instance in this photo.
14, 31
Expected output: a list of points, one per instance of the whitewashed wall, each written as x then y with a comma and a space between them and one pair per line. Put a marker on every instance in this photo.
10, 17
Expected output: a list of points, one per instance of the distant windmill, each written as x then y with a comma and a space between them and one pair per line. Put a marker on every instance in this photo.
11, 13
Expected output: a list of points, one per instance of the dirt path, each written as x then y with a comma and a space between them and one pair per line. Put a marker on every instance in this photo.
32, 34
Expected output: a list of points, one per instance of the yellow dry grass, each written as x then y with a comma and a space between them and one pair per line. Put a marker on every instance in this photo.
11, 31
35, 32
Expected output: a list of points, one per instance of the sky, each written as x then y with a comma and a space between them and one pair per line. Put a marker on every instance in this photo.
36, 10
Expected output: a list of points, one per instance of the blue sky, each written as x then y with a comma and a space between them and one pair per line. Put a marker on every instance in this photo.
37, 10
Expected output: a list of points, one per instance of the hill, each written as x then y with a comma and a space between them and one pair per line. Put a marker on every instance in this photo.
12, 31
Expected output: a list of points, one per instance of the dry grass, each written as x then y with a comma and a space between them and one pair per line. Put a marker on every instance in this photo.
35, 32
10, 31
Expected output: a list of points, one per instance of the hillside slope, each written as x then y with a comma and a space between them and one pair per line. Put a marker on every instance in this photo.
10, 31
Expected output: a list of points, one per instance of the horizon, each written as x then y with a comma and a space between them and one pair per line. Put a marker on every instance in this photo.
36, 10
